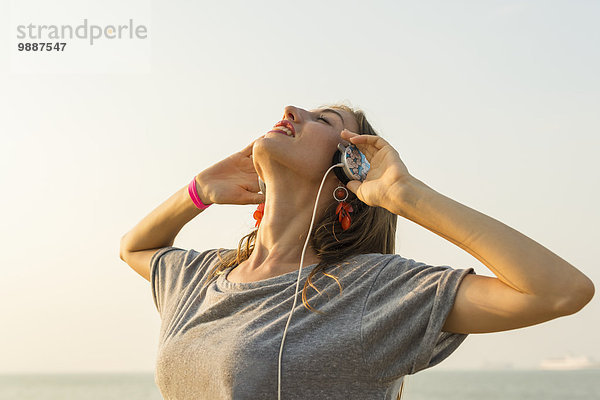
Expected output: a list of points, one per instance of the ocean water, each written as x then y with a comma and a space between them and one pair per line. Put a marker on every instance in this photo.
503, 384
427, 385
122, 386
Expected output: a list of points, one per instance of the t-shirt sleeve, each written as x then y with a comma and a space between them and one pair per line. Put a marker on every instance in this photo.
403, 316
172, 271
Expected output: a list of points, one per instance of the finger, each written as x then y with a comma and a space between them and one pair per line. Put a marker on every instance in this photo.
253, 185
367, 144
257, 198
353, 186
247, 151
376, 141
368, 150
355, 138
248, 196
347, 134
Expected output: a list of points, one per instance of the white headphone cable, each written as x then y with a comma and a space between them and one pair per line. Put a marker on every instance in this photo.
298, 280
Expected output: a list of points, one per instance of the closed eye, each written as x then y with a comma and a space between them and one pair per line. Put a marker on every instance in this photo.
320, 117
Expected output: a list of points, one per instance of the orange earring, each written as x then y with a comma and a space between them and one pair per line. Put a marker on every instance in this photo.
343, 209
258, 214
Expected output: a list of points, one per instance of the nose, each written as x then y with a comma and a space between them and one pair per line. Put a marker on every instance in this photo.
292, 113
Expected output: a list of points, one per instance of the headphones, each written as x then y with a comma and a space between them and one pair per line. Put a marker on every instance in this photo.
348, 163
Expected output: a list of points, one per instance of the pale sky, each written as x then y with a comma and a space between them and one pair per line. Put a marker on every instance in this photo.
492, 103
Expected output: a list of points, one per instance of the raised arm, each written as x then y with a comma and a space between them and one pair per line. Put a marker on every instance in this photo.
532, 284
231, 181
158, 229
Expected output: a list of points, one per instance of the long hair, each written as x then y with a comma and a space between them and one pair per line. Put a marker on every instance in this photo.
373, 230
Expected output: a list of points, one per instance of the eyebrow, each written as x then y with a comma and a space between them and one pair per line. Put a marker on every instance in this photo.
335, 112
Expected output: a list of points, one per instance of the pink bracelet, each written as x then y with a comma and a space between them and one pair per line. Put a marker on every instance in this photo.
194, 195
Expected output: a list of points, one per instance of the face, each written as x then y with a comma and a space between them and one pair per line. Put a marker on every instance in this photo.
308, 151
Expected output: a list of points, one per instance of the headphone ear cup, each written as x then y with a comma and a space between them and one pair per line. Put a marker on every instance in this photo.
339, 171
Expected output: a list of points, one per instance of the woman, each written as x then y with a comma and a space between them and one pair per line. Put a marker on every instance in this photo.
369, 317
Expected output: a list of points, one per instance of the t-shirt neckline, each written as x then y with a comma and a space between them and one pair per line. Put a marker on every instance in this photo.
226, 285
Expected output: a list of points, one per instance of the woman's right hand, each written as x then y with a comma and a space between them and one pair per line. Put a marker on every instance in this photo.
231, 181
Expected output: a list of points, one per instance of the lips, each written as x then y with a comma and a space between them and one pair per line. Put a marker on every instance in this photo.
285, 127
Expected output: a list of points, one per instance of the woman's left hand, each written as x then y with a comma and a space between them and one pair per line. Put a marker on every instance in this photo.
387, 172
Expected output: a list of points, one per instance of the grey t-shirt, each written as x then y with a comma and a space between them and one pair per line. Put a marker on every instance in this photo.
222, 341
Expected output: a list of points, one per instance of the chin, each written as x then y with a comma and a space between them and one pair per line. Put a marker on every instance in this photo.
269, 153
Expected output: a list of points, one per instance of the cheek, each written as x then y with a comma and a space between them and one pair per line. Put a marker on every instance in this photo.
319, 146
324, 152
323, 139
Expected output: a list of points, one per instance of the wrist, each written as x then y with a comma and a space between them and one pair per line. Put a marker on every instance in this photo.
202, 196
405, 196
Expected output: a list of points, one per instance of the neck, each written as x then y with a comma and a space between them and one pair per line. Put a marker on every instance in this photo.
285, 225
